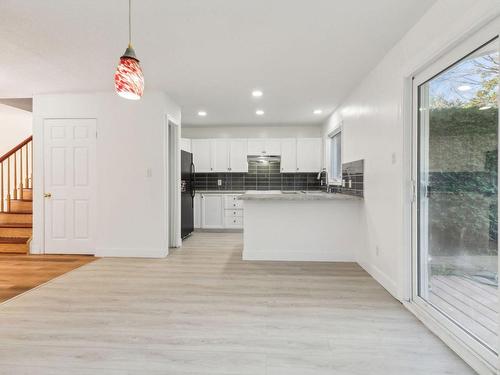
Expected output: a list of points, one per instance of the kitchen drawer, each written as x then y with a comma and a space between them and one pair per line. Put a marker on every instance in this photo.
234, 222
232, 201
234, 213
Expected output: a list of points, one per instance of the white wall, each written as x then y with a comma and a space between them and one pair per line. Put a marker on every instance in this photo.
15, 126
131, 206
374, 117
257, 131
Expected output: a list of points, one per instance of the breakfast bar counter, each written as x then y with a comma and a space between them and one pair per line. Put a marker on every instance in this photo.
302, 226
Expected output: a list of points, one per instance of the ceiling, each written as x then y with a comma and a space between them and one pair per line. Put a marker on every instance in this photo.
206, 54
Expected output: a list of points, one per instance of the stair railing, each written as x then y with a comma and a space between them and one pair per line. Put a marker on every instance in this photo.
16, 173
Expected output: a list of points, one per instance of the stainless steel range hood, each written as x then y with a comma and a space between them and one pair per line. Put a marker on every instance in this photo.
264, 158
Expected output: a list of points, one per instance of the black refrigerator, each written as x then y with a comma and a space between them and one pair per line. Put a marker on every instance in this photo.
187, 193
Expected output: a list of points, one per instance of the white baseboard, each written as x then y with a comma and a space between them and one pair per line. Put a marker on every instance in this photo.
386, 282
131, 252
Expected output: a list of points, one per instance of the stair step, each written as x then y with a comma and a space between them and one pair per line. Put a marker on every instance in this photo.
14, 240
27, 194
17, 211
16, 231
16, 225
13, 217
19, 205
20, 248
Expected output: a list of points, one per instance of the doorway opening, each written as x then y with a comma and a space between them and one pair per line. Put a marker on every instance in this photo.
173, 177
16, 175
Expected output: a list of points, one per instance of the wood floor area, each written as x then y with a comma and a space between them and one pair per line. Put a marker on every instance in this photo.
204, 311
468, 302
21, 272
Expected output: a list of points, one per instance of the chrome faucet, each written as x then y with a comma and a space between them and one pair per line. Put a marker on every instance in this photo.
326, 177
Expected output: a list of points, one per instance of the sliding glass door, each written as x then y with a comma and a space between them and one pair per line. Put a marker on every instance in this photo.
457, 193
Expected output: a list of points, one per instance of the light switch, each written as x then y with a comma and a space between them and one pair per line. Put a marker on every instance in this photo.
393, 158
149, 173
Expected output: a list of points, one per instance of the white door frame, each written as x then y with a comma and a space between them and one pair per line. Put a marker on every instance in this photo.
172, 162
476, 355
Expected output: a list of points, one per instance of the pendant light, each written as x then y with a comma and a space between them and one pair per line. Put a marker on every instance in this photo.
129, 80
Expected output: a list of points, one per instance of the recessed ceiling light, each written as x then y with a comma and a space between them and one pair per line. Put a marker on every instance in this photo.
485, 107
464, 88
318, 111
257, 93
202, 113
259, 112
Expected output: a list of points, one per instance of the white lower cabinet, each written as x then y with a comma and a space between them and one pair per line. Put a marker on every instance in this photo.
197, 211
235, 222
233, 211
218, 211
212, 211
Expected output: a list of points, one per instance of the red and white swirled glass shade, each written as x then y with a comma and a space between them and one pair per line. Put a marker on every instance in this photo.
129, 80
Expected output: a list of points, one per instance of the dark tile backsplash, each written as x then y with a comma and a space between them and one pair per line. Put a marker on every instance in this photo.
259, 177
354, 172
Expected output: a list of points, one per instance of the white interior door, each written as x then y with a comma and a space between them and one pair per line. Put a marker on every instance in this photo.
70, 185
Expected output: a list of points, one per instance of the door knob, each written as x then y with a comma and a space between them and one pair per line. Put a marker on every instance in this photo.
47, 195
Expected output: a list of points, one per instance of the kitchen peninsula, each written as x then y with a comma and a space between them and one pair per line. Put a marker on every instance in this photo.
302, 226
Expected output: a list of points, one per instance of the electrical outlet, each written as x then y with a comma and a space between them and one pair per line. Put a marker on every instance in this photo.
393, 158
377, 250
149, 173
219, 182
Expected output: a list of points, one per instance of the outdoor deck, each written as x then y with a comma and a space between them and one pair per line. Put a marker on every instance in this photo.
471, 304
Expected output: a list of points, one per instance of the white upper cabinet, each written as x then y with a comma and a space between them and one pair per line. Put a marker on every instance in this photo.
289, 155
256, 146
238, 151
220, 155
308, 154
201, 149
273, 146
264, 146
230, 155
186, 144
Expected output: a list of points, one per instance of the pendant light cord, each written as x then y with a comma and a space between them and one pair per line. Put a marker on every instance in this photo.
130, 23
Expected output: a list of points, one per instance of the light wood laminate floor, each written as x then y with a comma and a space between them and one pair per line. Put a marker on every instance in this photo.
203, 310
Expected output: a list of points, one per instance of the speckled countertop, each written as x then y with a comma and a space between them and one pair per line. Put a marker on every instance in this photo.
220, 192
295, 196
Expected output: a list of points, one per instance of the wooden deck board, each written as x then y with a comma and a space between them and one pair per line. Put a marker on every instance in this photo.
471, 304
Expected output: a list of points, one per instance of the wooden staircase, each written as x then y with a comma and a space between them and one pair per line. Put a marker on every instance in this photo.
16, 194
